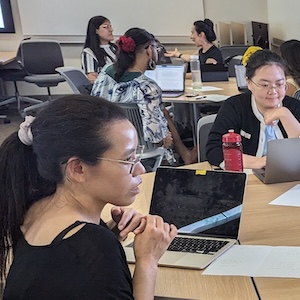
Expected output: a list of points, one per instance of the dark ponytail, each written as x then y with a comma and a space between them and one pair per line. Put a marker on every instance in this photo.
125, 59
20, 186
206, 26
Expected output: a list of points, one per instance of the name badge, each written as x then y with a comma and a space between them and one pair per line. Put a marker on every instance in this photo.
245, 134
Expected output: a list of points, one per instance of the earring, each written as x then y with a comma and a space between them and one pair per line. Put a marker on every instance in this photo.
152, 64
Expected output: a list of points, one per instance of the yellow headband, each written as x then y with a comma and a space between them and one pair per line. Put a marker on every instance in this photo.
248, 53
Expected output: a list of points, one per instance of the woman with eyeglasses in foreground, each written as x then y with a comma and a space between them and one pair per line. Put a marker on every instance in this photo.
265, 113
57, 174
99, 48
125, 81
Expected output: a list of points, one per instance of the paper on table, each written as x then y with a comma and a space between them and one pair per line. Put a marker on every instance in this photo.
282, 262
289, 198
239, 260
257, 261
208, 88
212, 97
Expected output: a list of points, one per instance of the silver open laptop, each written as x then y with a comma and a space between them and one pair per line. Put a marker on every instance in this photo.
240, 74
283, 161
206, 208
170, 78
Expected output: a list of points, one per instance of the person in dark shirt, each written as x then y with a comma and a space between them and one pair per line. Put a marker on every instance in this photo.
57, 173
265, 113
203, 35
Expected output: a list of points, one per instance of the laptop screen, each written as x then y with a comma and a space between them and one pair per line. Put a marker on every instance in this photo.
240, 73
168, 77
209, 201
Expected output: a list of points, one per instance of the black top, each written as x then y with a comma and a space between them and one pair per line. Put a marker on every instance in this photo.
237, 113
90, 264
212, 52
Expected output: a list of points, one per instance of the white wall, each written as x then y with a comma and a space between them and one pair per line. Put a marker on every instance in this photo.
241, 11
284, 20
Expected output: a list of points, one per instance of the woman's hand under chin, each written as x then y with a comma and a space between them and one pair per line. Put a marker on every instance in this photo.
126, 220
275, 114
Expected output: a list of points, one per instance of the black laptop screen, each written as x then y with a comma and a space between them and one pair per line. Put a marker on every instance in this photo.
199, 202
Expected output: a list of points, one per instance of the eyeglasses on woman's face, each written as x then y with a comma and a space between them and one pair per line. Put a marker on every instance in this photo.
155, 46
267, 86
107, 27
133, 161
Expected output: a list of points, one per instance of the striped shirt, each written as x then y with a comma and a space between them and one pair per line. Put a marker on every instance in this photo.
89, 61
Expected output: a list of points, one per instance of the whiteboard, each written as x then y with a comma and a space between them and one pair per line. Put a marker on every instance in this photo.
70, 17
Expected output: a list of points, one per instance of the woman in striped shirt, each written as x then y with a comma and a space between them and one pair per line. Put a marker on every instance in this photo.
98, 47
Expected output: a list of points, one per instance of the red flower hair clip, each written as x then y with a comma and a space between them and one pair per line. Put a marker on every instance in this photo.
127, 44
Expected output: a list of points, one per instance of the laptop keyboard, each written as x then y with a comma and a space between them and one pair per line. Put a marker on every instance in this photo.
200, 246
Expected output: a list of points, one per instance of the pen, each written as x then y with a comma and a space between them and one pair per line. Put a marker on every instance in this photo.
200, 97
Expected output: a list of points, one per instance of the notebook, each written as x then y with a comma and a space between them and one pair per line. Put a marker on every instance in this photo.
204, 205
240, 74
283, 161
170, 78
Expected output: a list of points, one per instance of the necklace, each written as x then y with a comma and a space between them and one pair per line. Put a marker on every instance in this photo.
136, 69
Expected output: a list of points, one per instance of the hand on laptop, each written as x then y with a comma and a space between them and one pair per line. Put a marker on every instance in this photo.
152, 243
253, 162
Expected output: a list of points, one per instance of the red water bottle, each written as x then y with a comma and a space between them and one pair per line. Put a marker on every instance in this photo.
232, 151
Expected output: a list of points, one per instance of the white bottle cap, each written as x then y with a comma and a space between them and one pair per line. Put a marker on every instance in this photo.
194, 57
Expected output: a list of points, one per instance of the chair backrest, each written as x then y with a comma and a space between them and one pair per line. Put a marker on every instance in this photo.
236, 60
203, 128
231, 51
76, 79
297, 94
134, 116
40, 56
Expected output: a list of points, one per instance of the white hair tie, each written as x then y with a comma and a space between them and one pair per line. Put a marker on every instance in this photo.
24, 133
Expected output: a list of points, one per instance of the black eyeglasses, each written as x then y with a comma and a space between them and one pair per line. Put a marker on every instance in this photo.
132, 161
155, 46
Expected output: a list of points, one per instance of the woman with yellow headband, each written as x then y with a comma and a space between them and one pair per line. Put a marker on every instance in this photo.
265, 113
248, 53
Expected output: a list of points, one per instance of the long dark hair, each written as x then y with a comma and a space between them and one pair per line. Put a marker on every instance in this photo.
206, 26
92, 39
125, 60
290, 52
76, 125
262, 58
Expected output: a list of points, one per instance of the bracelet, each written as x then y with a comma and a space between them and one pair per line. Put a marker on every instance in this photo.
179, 56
